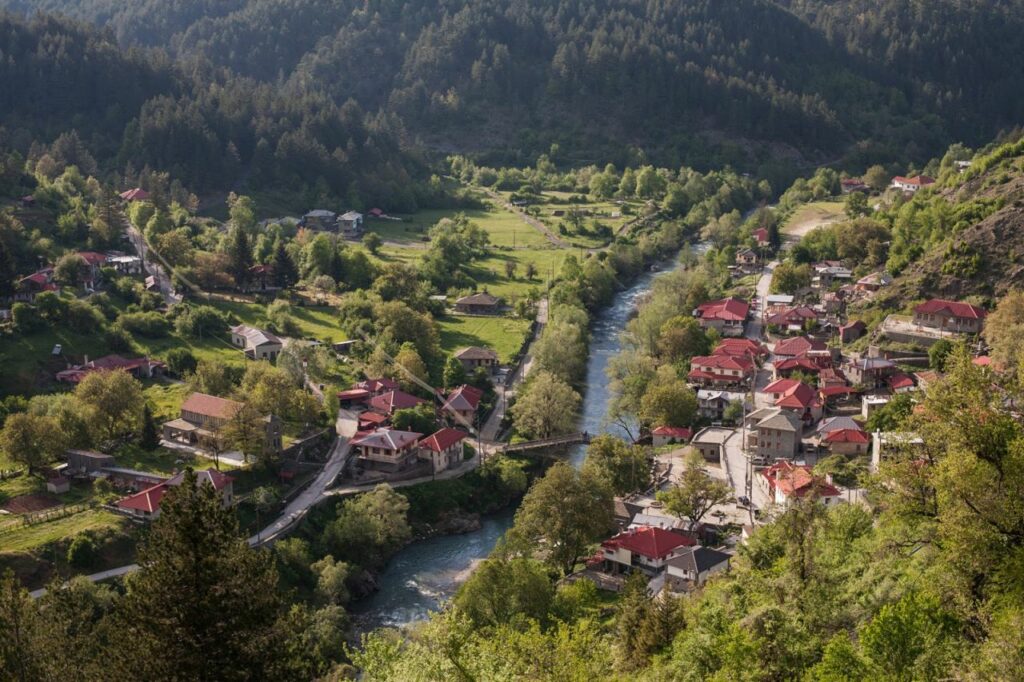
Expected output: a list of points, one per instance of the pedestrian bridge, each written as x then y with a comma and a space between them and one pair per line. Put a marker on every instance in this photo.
568, 439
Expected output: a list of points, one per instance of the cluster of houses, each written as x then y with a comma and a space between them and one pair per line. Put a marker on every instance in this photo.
659, 546
349, 225
369, 407
29, 287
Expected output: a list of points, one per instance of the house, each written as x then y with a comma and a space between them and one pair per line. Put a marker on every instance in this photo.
796, 319
319, 219
872, 402
27, 288
126, 265
478, 304
846, 441
774, 303
94, 262
788, 482
761, 236
949, 316
783, 369
721, 370
371, 421
350, 225
443, 449
644, 548
256, 343
750, 348
129, 479
387, 449
84, 462
727, 316
353, 398
830, 377
140, 368
667, 435
926, 378
203, 416
797, 397
711, 403
376, 213
835, 424
146, 504
474, 357
462, 405
850, 185
388, 403
692, 567
137, 194
773, 433
868, 371
961, 165
641, 519
799, 345
828, 272
873, 282
911, 184
901, 383
746, 257
710, 442
28, 201
261, 278
851, 331
378, 386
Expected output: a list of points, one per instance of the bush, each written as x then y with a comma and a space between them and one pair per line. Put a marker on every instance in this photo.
151, 325
26, 318
82, 552
181, 361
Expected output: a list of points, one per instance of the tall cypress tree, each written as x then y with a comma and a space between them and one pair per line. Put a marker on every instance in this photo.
150, 437
204, 605
285, 272
239, 253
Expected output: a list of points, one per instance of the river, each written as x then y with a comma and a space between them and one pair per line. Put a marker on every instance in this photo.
422, 576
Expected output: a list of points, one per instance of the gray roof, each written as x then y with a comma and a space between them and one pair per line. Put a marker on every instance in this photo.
712, 434
320, 213
699, 559
837, 424
776, 418
351, 215
254, 338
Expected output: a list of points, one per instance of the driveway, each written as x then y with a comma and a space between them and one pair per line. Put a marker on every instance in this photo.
152, 267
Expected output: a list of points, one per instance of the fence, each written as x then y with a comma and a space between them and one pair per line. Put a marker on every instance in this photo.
45, 515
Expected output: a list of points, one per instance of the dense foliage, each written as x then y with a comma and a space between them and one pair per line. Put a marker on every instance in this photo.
866, 78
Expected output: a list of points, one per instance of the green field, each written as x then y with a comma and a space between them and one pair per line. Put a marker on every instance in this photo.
505, 228
809, 216
27, 538
502, 334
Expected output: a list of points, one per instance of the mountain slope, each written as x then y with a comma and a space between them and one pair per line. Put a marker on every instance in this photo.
681, 81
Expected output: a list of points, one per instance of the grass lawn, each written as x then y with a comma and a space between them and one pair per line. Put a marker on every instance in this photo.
505, 228
317, 322
809, 216
28, 538
503, 334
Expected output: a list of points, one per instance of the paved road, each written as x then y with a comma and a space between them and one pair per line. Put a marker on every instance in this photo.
490, 429
463, 469
291, 515
152, 267
298, 507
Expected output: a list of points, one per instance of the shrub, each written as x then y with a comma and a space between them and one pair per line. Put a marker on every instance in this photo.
82, 552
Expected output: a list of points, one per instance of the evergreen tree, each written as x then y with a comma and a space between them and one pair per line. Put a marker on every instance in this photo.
149, 438
239, 253
204, 605
285, 272
454, 373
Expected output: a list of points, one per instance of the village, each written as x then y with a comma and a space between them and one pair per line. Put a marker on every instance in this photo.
779, 392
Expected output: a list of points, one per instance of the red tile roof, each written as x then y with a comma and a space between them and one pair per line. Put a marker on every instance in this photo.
982, 361
211, 406
651, 542
378, 385
673, 432
780, 386
799, 362
792, 316
728, 309
847, 436
761, 234
954, 308
900, 380
740, 347
797, 481
738, 362
353, 394
465, 398
798, 345
148, 500
443, 439
137, 194
394, 400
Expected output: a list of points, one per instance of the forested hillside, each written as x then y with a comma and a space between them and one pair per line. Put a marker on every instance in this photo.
694, 82
209, 129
